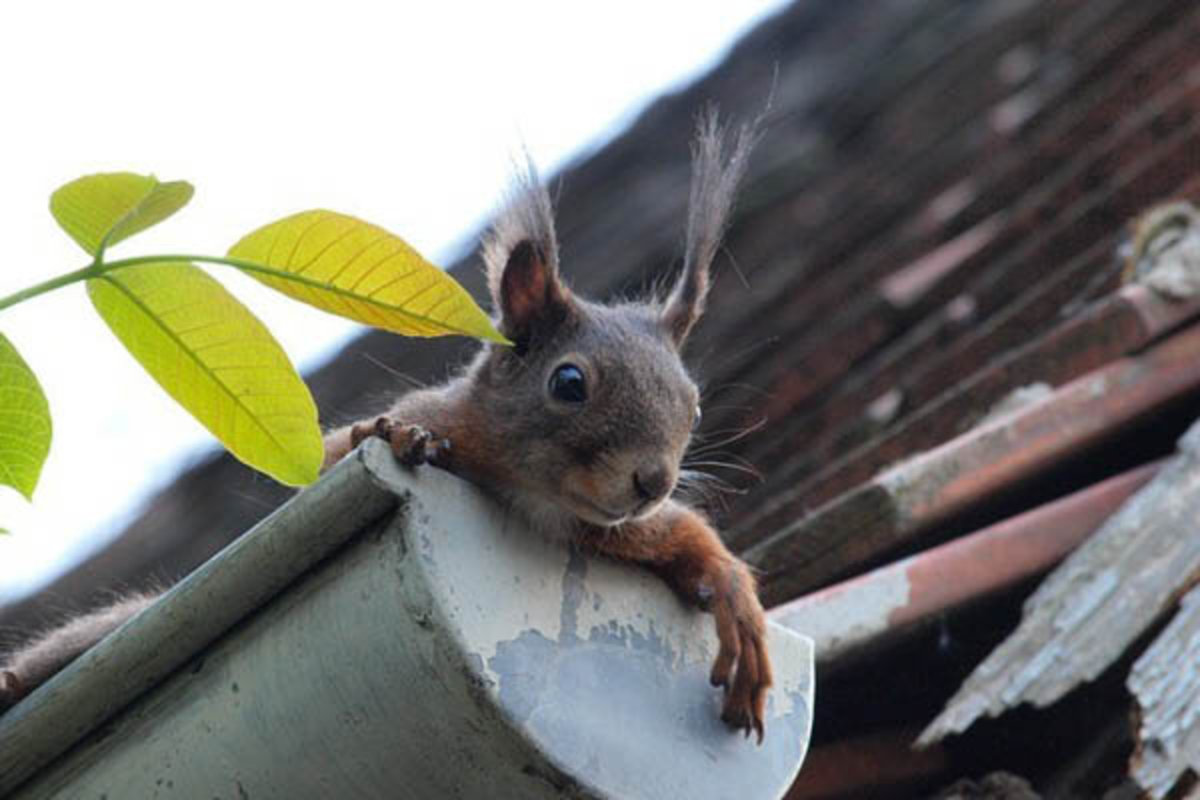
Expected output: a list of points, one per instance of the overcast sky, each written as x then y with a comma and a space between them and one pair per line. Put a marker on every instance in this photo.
404, 114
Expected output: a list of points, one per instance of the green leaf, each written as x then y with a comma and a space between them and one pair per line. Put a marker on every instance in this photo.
218, 361
98, 211
24, 422
357, 270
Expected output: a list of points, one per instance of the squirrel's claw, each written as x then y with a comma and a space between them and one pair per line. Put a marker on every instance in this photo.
411, 444
742, 666
745, 703
380, 427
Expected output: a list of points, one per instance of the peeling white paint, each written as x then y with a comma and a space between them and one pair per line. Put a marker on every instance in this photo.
1166, 684
588, 639
1018, 399
1096, 603
462, 555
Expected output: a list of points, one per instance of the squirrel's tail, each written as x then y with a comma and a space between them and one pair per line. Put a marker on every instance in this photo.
34, 663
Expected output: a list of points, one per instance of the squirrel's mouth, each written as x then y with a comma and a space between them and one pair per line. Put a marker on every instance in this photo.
591, 511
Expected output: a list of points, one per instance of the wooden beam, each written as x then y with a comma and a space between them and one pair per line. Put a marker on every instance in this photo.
1093, 607
853, 616
909, 500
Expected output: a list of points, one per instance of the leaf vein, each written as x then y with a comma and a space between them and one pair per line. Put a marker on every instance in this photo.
136, 301
350, 231
319, 218
383, 236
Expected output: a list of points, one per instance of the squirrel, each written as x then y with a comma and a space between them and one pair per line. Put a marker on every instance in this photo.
580, 426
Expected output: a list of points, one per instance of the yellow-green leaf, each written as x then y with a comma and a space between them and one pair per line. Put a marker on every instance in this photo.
357, 270
218, 361
24, 422
98, 211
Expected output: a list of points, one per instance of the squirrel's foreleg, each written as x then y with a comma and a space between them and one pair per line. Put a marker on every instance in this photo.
681, 546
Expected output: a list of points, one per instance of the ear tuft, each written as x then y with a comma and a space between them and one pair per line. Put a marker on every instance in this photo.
526, 216
719, 159
521, 254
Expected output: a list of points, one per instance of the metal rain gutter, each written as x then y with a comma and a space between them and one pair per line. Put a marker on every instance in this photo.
391, 633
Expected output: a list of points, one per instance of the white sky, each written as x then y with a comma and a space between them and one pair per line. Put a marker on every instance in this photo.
405, 114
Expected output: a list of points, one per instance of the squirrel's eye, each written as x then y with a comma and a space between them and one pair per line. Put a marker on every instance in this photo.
696, 417
567, 384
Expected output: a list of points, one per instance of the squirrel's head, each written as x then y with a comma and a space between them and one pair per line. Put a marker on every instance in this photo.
593, 401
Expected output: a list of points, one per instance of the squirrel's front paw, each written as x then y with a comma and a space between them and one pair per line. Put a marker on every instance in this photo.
743, 666
411, 444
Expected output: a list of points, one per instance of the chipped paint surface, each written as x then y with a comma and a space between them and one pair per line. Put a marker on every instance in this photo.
846, 618
1016, 400
1165, 681
847, 615
1096, 604
602, 665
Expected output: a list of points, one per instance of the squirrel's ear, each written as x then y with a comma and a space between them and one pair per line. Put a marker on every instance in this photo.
530, 295
718, 164
521, 255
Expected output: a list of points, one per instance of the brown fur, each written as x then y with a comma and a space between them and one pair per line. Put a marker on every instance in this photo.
35, 662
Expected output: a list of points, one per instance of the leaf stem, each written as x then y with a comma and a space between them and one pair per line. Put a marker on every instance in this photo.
96, 269
237, 263
47, 286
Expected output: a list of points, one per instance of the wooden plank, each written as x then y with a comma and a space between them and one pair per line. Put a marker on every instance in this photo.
1144, 182
1165, 681
1118, 325
866, 766
1093, 607
846, 619
909, 500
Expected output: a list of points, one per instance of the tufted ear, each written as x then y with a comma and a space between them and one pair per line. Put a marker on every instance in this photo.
521, 255
718, 163
530, 296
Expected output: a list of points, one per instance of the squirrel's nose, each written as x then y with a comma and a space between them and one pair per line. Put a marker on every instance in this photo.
652, 483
